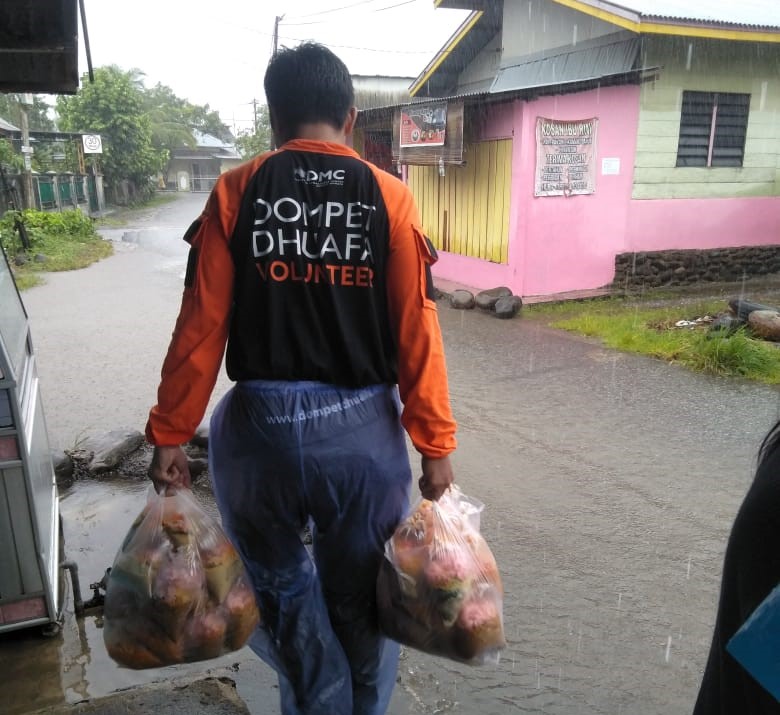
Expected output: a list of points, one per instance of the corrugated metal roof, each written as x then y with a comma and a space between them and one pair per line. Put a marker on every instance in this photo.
603, 57
7, 126
227, 154
203, 140
737, 13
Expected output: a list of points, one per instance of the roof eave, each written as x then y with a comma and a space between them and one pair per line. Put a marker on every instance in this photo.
654, 25
445, 51
639, 75
712, 31
461, 4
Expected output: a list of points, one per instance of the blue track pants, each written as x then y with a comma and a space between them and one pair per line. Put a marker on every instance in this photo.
286, 454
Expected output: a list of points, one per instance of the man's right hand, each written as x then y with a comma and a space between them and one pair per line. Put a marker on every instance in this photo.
436, 477
169, 468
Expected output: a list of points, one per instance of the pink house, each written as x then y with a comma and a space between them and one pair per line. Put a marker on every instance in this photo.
584, 136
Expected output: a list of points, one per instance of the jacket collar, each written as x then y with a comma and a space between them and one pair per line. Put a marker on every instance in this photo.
319, 146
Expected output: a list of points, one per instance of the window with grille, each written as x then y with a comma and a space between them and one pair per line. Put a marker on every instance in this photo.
713, 126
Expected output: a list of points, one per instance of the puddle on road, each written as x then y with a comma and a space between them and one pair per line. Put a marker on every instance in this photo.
164, 240
73, 666
40, 671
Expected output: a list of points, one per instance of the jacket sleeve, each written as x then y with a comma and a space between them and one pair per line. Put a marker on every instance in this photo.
194, 356
422, 371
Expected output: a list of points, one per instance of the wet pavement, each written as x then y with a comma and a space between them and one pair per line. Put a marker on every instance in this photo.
610, 480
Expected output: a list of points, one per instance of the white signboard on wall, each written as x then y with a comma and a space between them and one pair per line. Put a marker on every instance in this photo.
565, 157
610, 166
93, 143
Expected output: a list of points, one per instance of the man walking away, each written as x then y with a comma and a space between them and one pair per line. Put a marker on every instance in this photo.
312, 266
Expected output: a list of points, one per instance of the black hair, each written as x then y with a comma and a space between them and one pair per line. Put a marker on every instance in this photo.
307, 84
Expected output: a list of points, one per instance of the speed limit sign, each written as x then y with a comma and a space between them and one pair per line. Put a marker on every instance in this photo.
93, 144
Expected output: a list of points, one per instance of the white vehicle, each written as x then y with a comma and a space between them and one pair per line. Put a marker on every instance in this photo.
31, 542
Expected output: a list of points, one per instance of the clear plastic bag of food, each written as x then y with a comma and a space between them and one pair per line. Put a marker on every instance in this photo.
439, 589
177, 591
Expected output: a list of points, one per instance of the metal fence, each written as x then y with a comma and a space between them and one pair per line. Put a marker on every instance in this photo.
51, 192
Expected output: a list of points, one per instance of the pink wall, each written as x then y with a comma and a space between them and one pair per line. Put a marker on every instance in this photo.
571, 242
703, 223
559, 244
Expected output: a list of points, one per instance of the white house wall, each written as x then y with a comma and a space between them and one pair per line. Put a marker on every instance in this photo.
536, 25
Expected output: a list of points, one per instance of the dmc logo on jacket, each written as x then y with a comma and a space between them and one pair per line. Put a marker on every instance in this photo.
332, 177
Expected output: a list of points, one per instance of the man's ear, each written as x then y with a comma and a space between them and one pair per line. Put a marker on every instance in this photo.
274, 130
349, 122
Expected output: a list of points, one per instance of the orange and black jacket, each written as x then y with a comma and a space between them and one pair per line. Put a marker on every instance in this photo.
311, 264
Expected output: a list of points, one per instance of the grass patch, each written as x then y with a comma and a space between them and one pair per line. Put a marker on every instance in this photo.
633, 327
27, 280
738, 354
111, 221
67, 253
61, 241
160, 198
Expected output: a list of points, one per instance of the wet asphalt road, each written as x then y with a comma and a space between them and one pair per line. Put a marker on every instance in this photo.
610, 482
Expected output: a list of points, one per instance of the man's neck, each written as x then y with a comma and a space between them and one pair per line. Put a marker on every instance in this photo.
320, 131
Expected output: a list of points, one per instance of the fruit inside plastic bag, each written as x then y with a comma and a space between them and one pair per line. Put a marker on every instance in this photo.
177, 591
439, 589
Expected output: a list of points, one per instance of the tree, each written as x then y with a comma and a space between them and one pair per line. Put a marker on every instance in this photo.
9, 158
37, 115
167, 118
208, 121
38, 119
113, 106
174, 119
252, 142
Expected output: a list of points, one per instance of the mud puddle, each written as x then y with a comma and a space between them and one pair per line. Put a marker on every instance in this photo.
73, 666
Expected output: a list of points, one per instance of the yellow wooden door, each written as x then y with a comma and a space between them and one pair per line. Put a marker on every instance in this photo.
467, 210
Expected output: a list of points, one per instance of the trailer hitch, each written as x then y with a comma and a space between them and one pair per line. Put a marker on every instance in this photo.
79, 605
97, 597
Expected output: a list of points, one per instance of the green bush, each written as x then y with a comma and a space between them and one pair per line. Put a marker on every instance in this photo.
42, 224
9, 238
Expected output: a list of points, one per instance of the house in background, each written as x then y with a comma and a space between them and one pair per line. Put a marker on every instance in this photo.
7, 129
583, 131
50, 190
374, 143
197, 168
380, 90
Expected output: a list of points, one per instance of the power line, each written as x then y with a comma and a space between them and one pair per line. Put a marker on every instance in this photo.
390, 7
310, 22
329, 20
334, 9
393, 51
367, 49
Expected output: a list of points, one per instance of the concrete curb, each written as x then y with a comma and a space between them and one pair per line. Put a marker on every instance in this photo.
194, 696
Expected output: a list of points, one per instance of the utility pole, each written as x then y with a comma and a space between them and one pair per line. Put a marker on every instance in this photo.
277, 20
254, 110
27, 183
